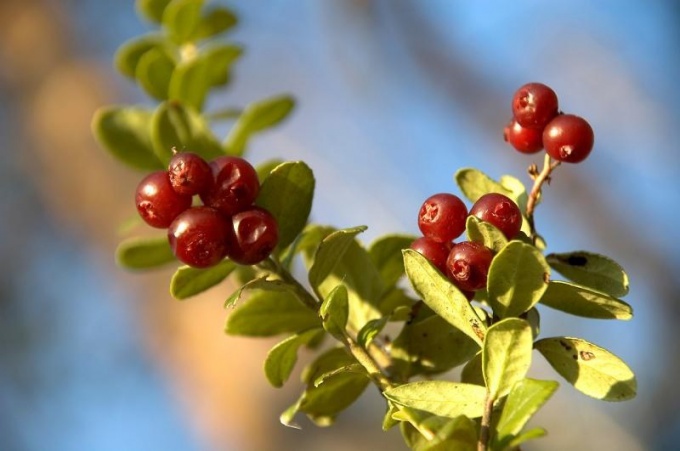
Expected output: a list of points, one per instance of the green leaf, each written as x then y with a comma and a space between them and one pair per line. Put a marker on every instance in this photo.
506, 355
429, 345
351, 368
388, 421
443, 398
219, 59
263, 283
472, 371
515, 191
524, 400
591, 270
181, 19
153, 72
215, 21
256, 117
268, 313
324, 402
370, 330
474, 184
442, 296
174, 125
581, 301
281, 358
524, 437
334, 312
190, 83
387, 257
330, 252
128, 55
458, 434
482, 232
589, 368
144, 253
287, 193
518, 277
287, 416
188, 281
394, 302
125, 133
152, 9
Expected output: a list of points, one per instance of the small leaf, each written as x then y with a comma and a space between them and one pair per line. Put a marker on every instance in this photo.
387, 257
190, 83
442, 296
524, 400
214, 22
256, 117
351, 368
581, 301
334, 312
458, 434
286, 418
152, 9
518, 277
153, 72
388, 421
282, 357
531, 434
287, 193
144, 253
174, 125
128, 55
267, 313
474, 184
472, 371
370, 330
181, 18
482, 232
219, 60
589, 368
125, 133
591, 270
263, 283
515, 191
443, 398
330, 252
188, 281
506, 355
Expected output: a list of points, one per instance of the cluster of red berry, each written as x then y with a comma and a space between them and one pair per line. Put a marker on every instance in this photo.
442, 219
538, 124
227, 224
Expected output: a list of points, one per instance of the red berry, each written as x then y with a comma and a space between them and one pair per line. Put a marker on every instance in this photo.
534, 105
568, 138
523, 139
468, 265
256, 235
235, 186
434, 251
157, 203
442, 217
189, 173
200, 237
499, 211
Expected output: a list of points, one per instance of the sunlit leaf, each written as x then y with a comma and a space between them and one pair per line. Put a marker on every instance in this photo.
144, 253
474, 184
443, 398
256, 117
282, 358
582, 301
482, 232
334, 312
591, 270
386, 254
330, 252
213, 22
153, 72
506, 355
181, 19
152, 9
188, 281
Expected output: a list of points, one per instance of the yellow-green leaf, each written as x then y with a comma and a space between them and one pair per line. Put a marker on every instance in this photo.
443, 398
506, 355
582, 301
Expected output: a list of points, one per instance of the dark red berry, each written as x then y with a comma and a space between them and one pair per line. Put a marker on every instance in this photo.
157, 203
442, 217
523, 139
534, 105
200, 237
568, 138
235, 186
256, 235
189, 173
434, 251
499, 211
468, 265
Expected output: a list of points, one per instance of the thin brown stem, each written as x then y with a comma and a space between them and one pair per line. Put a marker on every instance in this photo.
539, 179
485, 428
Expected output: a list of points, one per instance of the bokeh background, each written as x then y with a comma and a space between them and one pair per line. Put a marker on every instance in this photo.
394, 96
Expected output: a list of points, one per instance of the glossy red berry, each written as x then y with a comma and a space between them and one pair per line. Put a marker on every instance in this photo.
568, 138
468, 265
256, 235
189, 173
442, 217
499, 211
200, 237
157, 203
434, 251
534, 105
235, 186
523, 139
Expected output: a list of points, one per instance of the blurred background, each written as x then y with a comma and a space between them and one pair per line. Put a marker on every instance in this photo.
393, 97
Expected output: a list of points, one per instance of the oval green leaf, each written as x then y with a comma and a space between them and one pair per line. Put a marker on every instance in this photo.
188, 281
215, 21
256, 117
506, 355
591, 270
473, 183
128, 55
591, 369
334, 312
482, 232
518, 277
581, 301
386, 255
181, 18
152, 9
153, 72
330, 252
443, 398
144, 253
190, 83
282, 358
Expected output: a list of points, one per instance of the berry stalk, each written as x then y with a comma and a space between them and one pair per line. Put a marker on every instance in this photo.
539, 179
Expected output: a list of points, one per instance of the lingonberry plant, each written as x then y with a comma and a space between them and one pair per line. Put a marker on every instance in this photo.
472, 305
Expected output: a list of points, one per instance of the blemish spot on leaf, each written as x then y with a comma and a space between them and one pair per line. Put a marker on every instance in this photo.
546, 277
565, 345
587, 355
577, 260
